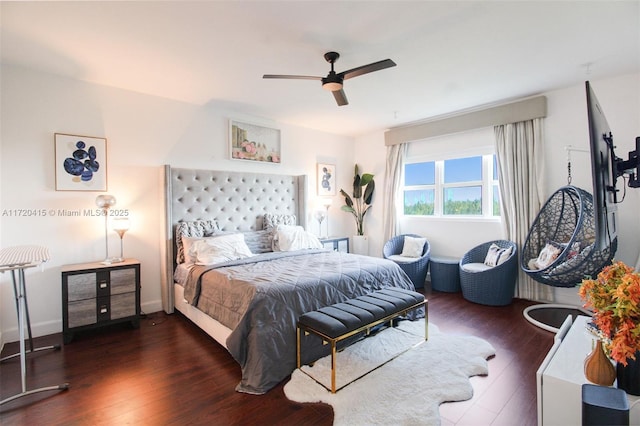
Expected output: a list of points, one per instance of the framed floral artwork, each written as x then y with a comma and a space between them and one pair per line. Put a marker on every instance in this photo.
80, 163
326, 179
254, 143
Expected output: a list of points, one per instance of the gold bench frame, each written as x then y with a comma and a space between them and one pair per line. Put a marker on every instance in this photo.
333, 341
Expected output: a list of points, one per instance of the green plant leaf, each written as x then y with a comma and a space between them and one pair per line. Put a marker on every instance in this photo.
368, 192
365, 179
357, 187
347, 200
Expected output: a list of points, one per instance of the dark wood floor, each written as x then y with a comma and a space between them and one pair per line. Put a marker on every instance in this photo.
169, 372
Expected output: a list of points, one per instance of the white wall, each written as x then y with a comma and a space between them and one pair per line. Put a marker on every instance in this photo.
143, 133
565, 124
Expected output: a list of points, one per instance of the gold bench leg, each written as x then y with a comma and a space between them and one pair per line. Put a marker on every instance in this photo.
298, 347
333, 366
426, 321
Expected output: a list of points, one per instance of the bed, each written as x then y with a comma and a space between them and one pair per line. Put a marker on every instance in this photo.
250, 303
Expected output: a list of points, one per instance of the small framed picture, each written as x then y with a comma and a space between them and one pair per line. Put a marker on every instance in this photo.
81, 163
326, 179
254, 143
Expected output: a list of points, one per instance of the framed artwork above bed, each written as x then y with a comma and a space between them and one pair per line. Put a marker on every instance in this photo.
254, 143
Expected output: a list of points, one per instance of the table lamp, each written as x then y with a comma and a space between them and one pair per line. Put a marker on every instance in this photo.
120, 225
105, 202
326, 202
320, 215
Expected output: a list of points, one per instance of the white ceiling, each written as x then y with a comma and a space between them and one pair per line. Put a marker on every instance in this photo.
451, 55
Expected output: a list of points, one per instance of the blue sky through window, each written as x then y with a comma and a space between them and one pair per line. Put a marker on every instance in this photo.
420, 173
463, 170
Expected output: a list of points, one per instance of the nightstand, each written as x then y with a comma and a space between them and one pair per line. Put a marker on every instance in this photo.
95, 295
336, 243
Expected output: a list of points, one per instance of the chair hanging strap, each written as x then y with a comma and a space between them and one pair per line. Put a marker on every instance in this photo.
569, 166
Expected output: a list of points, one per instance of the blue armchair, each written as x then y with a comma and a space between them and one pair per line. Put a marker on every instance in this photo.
414, 267
489, 285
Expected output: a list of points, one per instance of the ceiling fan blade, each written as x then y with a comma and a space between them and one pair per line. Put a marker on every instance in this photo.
364, 69
340, 97
292, 77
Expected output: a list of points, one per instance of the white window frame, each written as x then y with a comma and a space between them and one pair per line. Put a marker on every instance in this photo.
486, 183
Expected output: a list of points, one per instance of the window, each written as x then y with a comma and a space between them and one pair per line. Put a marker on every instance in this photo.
453, 187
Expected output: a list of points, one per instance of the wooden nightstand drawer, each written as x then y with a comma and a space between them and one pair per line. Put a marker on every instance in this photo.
81, 287
82, 312
336, 243
94, 295
123, 305
123, 281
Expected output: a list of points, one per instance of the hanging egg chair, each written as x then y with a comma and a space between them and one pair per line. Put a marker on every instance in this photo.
560, 247
560, 251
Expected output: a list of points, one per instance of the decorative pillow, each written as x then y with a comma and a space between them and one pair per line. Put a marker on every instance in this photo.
413, 246
289, 238
196, 228
547, 255
272, 220
189, 252
259, 241
497, 255
220, 249
574, 250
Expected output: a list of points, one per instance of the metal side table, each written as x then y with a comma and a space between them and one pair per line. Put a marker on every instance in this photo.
17, 259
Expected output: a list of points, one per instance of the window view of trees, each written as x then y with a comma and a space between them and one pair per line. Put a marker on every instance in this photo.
452, 187
419, 202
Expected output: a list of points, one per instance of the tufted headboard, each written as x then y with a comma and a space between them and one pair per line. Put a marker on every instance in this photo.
237, 201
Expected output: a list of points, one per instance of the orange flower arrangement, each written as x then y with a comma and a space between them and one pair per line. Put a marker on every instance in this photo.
614, 298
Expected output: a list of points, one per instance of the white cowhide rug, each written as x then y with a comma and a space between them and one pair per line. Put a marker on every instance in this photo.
405, 391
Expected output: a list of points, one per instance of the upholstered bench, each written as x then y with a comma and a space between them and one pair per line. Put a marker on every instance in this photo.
342, 320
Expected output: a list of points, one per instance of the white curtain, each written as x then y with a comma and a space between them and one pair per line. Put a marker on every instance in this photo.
393, 189
519, 151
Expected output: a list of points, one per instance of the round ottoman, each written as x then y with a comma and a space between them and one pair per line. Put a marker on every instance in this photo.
445, 275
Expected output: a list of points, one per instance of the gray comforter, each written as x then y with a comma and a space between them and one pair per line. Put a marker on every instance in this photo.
260, 299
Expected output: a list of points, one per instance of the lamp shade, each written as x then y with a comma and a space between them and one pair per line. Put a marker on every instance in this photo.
105, 201
121, 224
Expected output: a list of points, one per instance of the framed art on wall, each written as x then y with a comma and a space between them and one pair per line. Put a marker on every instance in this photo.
81, 163
253, 142
326, 179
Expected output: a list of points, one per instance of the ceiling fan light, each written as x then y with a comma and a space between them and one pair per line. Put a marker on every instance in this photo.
332, 86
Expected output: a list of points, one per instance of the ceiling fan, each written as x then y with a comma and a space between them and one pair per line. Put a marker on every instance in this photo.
333, 82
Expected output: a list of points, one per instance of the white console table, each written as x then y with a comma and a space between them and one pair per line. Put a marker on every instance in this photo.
561, 376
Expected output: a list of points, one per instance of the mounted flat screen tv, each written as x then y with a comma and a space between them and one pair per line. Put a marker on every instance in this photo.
606, 168
603, 171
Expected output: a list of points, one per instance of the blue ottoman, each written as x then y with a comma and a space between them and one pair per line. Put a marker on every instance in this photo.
445, 274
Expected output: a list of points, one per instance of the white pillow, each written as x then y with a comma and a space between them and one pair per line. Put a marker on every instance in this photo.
188, 246
289, 238
220, 249
547, 255
413, 246
496, 255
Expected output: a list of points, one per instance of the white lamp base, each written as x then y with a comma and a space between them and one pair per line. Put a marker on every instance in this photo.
112, 260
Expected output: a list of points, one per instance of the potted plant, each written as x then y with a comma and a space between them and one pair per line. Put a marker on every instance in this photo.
614, 298
358, 206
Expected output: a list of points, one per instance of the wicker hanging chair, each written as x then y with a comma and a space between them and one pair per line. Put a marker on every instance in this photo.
567, 222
